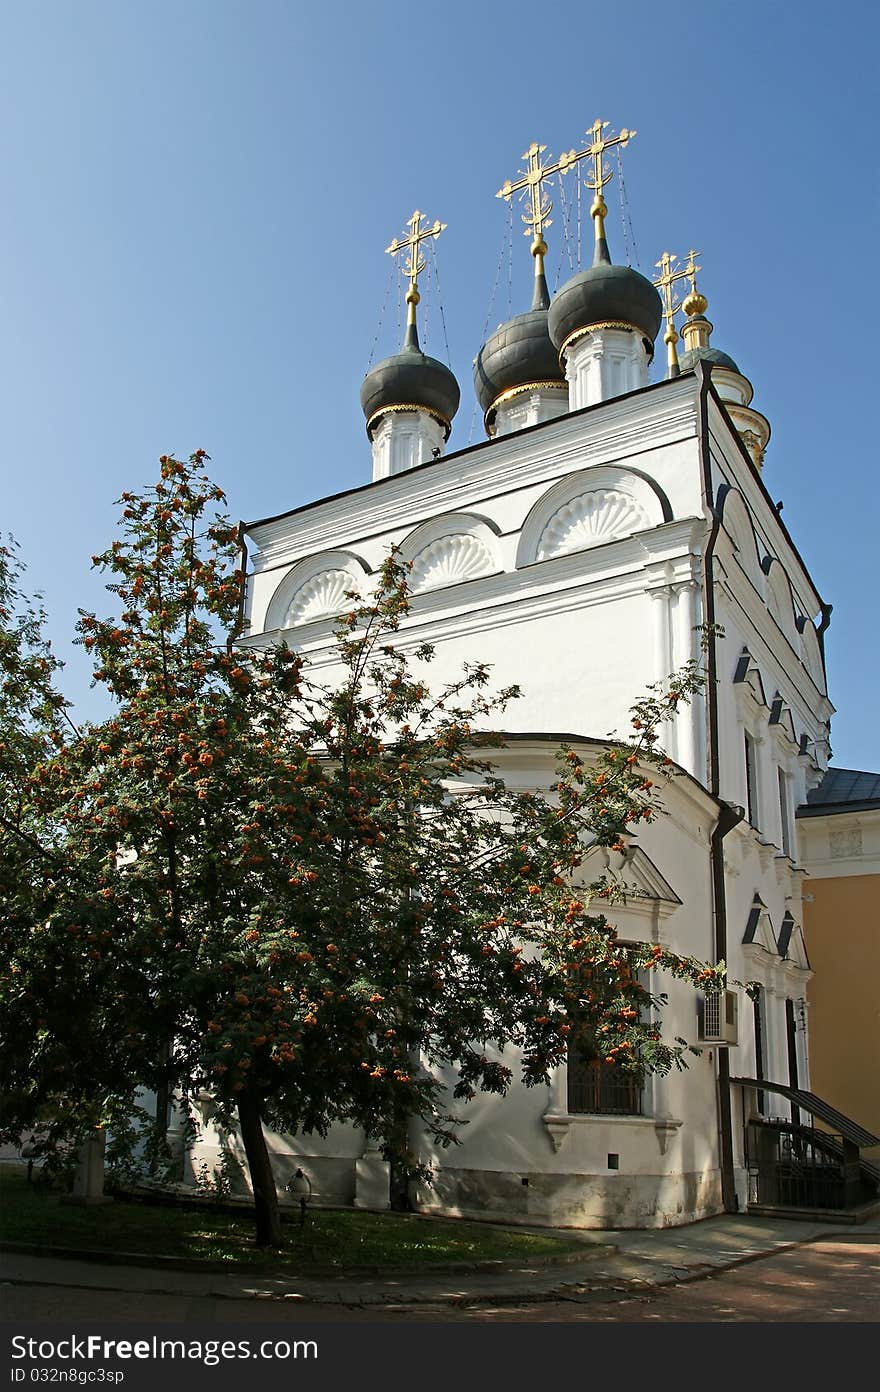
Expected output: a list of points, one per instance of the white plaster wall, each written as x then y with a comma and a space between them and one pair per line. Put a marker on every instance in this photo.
584, 633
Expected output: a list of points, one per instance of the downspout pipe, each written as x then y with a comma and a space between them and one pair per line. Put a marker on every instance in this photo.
729, 815
242, 589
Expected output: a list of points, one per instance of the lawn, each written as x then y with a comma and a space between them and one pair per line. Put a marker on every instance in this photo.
331, 1238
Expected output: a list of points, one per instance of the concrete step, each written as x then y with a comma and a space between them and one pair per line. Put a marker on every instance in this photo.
863, 1213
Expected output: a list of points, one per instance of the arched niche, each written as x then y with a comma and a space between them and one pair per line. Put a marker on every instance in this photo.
811, 651
448, 550
316, 589
738, 525
589, 509
779, 599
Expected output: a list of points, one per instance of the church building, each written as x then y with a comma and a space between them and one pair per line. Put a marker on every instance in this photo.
579, 549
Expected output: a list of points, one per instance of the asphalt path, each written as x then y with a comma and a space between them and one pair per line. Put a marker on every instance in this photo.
833, 1280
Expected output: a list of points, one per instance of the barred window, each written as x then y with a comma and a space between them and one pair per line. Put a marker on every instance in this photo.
601, 1089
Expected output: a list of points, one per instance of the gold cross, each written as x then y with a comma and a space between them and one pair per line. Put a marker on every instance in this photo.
415, 261
665, 283
595, 150
601, 173
540, 206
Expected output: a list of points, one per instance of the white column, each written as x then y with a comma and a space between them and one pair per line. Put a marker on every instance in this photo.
530, 408
802, 1017
403, 439
604, 363
690, 719
776, 1066
661, 599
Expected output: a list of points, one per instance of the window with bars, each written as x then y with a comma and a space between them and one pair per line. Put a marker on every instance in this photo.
601, 1089
597, 1087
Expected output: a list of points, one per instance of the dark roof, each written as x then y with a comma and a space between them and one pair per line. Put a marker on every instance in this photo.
850, 1130
410, 377
516, 354
605, 294
842, 790
691, 356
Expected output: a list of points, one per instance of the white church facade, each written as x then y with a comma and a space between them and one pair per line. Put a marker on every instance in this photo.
578, 550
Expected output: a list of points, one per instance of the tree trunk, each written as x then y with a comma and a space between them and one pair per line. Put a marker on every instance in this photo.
266, 1209
398, 1144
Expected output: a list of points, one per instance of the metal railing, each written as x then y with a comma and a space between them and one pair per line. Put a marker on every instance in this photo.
793, 1166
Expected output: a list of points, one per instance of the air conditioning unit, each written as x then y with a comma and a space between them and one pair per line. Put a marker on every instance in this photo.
717, 1018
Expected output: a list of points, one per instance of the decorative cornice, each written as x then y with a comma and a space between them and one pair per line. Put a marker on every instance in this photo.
512, 392
577, 334
408, 407
738, 470
624, 428
575, 580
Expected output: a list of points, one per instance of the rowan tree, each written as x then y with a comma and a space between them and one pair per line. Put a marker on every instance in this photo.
318, 903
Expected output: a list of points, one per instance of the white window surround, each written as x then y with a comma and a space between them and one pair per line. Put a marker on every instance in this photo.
752, 800
748, 688
558, 1119
786, 817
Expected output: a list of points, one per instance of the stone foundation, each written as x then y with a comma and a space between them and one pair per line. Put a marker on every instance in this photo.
573, 1200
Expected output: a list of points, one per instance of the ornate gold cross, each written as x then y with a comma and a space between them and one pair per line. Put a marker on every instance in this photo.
537, 218
665, 283
596, 150
415, 263
601, 173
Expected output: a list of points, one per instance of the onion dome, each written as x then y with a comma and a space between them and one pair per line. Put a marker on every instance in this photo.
696, 333
519, 356
607, 297
734, 389
691, 356
410, 381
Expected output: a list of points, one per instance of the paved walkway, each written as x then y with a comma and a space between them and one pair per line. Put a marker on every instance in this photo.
620, 1261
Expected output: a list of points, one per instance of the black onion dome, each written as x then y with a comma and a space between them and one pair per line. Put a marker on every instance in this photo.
692, 356
606, 294
411, 378
519, 353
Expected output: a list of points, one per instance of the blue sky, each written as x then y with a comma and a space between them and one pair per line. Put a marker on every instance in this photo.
195, 198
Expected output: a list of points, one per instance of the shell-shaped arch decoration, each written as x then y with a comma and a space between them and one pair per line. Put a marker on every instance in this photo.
449, 560
739, 527
778, 599
585, 509
320, 597
590, 519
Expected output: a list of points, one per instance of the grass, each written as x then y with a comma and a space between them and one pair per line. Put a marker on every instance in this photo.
331, 1238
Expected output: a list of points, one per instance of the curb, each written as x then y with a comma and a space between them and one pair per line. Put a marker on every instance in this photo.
193, 1265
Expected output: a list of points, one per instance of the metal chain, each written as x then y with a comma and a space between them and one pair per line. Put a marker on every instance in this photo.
629, 237
566, 237
508, 238
391, 278
580, 259
436, 268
